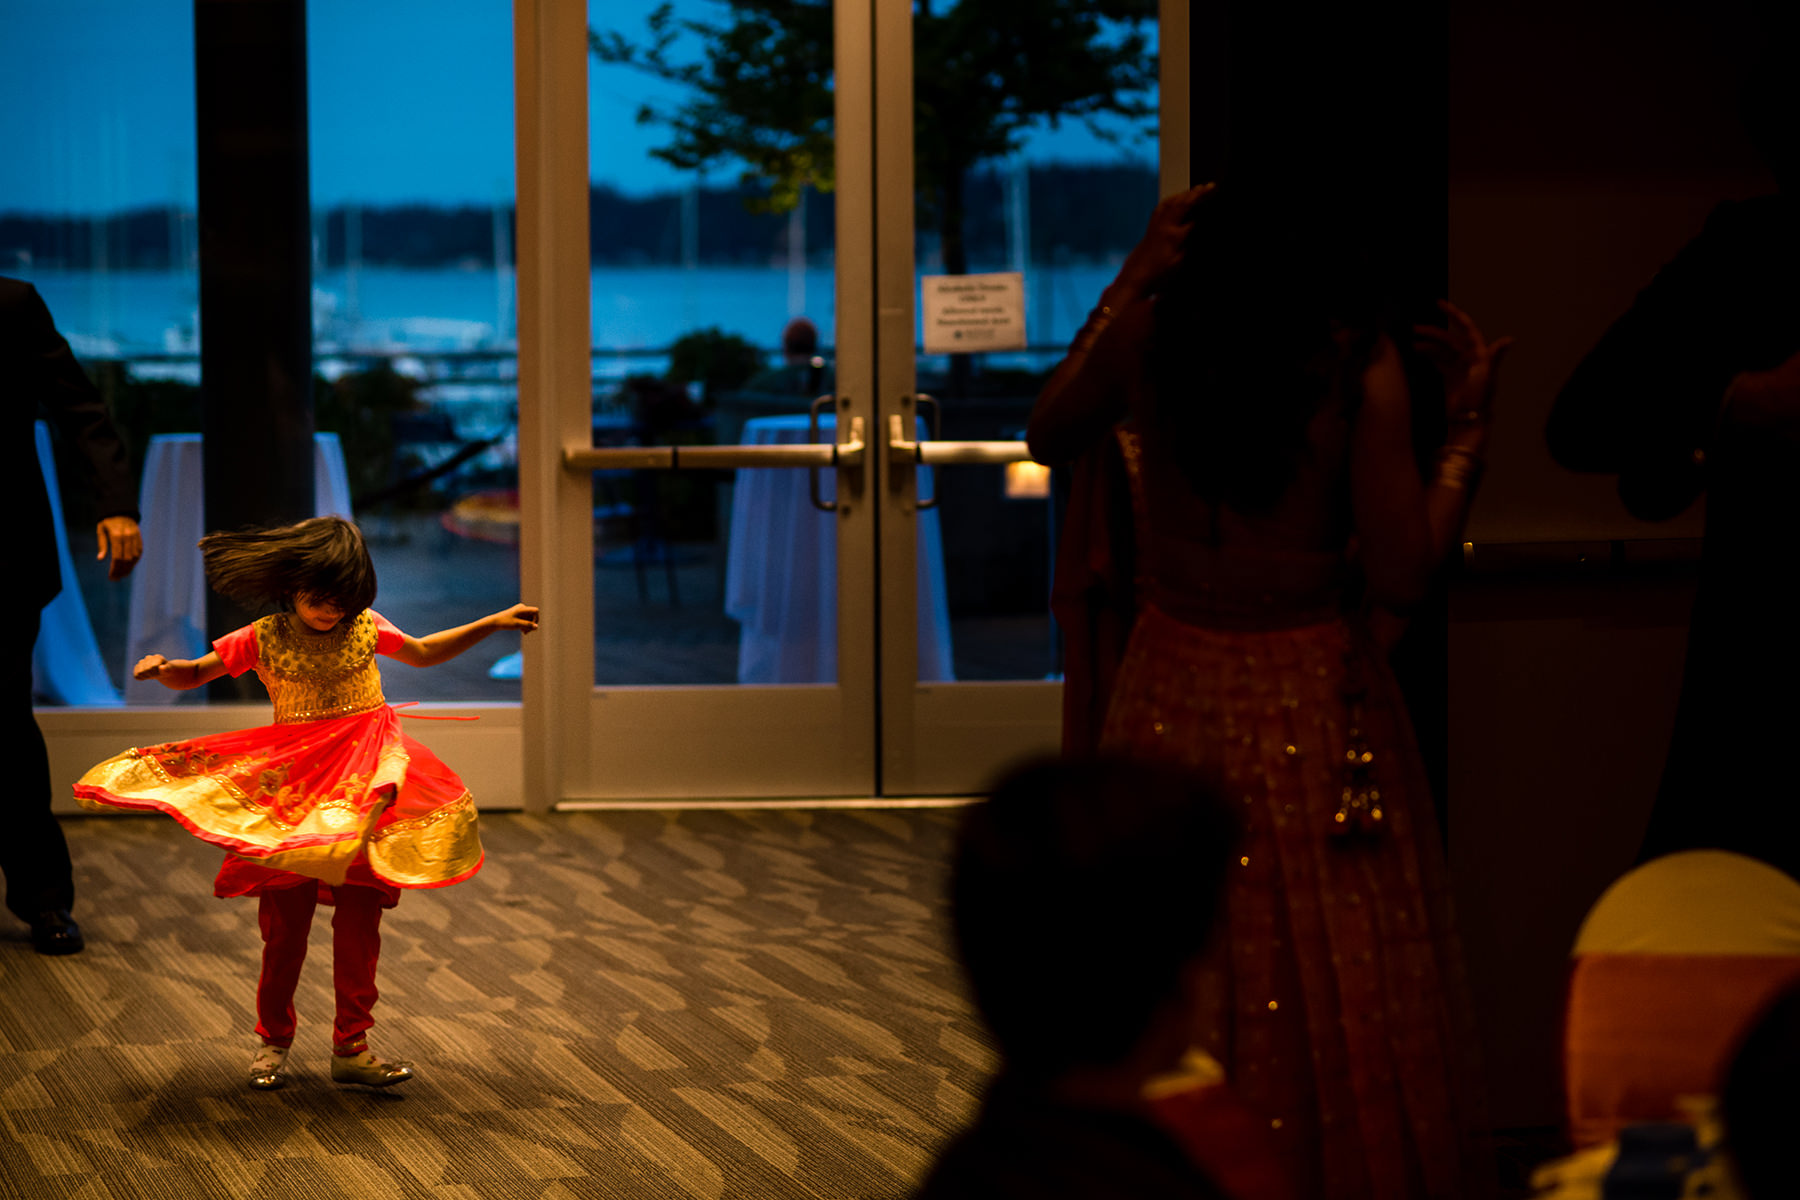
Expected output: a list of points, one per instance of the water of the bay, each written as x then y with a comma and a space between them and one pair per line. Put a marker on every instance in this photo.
126, 314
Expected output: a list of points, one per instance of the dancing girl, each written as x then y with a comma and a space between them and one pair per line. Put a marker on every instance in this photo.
331, 804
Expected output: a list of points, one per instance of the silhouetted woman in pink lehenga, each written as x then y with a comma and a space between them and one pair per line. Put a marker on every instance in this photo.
1281, 520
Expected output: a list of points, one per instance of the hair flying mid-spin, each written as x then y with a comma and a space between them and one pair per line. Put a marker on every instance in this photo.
324, 558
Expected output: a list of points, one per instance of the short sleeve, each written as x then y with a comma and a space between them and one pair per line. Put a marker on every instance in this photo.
237, 650
388, 638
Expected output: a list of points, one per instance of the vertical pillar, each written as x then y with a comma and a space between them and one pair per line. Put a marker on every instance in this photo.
255, 267
556, 550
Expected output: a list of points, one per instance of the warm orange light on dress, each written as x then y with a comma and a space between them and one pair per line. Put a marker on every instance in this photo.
1027, 481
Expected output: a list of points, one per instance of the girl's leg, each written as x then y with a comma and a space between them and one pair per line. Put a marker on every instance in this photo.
356, 946
355, 949
285, 917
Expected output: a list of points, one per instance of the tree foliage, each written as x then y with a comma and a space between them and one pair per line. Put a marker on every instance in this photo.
718, 361
759, 94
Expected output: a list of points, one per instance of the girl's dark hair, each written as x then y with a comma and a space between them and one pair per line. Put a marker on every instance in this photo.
1269, 310
324, 557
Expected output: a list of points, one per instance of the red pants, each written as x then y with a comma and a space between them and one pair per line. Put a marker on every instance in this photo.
285, 916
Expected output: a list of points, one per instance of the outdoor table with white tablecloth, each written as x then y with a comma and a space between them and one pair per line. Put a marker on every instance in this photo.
66, 666
168, 589
781, 569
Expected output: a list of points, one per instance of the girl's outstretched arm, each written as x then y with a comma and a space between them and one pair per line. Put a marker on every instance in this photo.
446, 644
179, 673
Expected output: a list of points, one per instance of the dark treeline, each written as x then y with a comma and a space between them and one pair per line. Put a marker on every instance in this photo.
138, 239
1076, 213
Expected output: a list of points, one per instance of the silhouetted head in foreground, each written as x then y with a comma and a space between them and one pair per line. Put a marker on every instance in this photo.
1082, 893
1760, 1101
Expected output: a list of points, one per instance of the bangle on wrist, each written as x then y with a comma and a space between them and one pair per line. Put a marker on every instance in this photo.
1090, 332
1458, 467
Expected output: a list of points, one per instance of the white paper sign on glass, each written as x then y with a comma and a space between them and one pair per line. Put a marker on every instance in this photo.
968, 314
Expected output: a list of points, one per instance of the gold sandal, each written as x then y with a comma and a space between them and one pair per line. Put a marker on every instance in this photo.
366, 1069
266, 1069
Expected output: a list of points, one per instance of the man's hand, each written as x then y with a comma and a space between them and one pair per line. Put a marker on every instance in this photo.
119, 537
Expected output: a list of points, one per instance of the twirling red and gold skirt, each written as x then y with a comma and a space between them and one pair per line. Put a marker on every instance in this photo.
346, 800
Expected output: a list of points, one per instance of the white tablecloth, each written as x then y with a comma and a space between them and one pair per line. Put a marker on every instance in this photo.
168, 589
781, 570
65, 664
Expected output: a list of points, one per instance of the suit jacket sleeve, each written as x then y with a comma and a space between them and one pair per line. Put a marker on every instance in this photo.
69, 400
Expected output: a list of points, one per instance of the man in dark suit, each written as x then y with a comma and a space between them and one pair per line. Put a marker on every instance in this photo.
39, 376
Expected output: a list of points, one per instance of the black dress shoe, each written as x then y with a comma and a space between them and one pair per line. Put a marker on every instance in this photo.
55, 932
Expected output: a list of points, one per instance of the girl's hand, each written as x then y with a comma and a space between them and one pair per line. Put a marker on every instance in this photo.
1469, 362
149, 666
523, 617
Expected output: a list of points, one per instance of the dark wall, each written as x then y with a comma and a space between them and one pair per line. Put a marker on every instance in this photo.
1344, 110
1587, 143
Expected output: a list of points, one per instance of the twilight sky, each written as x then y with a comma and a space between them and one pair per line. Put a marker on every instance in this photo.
409, 100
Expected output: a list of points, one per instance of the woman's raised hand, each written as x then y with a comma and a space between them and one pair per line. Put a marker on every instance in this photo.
523, 617
1469, 362
149, 666
1159, 250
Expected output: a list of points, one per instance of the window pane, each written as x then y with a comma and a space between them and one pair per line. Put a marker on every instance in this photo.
415, 338
1062, 210
97, 190
699, 278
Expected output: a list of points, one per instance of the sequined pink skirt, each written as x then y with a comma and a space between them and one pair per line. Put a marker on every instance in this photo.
1336, 999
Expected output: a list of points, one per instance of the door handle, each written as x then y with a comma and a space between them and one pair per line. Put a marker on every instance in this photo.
847, 453
692, 458
933, 453
840, 449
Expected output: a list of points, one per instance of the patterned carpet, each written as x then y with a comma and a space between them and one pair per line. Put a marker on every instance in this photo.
648, 1004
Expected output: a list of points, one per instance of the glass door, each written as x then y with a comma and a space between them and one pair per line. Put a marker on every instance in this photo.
647, 529
746, 593
1018, 161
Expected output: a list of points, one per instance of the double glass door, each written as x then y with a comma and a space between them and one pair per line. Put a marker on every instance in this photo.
819, 581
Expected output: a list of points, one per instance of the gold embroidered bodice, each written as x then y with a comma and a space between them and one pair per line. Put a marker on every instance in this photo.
313, 677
